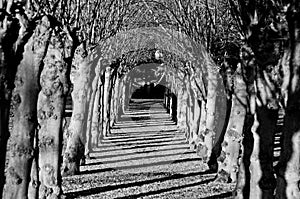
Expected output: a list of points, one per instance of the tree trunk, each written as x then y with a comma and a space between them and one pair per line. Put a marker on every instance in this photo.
25, 98
171, 105
14, 34
209, 135
181, 108
267, 119
116, 97
96, 119
289, 165
77, 129
190, 111
106, 91
92, 110
213, 163
100, 129
255, 169
228, 165
291, 148
33, 188
201, 150
51, 104
111, 101
242, 190
124, 95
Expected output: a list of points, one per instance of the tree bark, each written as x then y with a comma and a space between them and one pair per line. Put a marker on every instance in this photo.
190, 112
51, 104
209, 135
106, 91
255, 169
242, 190
116, 97
289, 164
77, 129
228, 165
96, 118
25, 96
92, 110
15, 31
111, 100
201, 150
181, 108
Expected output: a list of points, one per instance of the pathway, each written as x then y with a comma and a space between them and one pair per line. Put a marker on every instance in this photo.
144, 157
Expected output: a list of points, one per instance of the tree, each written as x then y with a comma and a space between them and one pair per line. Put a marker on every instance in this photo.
25, 95
269, 30
15, 30
98, 26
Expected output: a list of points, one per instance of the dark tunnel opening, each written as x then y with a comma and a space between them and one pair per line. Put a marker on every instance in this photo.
149, 91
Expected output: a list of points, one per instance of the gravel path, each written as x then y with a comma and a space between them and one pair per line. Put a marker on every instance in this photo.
145, 157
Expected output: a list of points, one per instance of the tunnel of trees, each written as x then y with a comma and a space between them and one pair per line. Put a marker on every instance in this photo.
227, 72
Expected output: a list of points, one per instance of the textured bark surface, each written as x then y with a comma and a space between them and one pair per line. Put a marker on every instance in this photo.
289, 164
228, 160
196, 122
96, 118
190, 113
14, 34
243, 183
51, 103
92, 110
111, 100
181, 107
201, 150
291, 147
77, 129
25, 96
106, 95
210, 133
255, 167
115, 98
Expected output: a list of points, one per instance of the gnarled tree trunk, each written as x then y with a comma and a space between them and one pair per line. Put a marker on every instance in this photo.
15, 30
209, 135
51, 105
228, 160
25, 96
92, 110
76, 140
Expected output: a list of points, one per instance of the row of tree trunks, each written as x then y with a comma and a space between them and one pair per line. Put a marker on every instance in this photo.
25, 96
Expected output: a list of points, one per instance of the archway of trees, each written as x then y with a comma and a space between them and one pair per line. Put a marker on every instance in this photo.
231, 69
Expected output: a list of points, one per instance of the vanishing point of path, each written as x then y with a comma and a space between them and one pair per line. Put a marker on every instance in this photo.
144, 157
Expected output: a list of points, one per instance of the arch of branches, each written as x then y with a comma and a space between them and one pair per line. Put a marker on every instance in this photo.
101, 75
